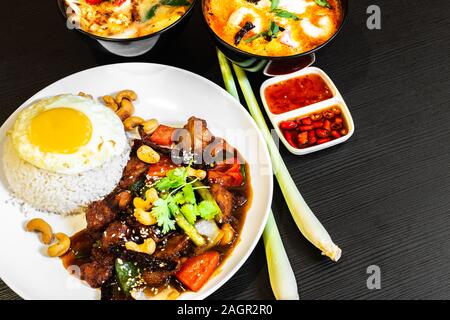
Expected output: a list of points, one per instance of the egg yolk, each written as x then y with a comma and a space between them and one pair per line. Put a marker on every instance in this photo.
60, 130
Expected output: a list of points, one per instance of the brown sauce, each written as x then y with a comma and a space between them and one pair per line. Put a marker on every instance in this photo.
83, 242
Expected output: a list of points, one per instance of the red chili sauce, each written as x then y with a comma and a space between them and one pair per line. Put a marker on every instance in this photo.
297, 93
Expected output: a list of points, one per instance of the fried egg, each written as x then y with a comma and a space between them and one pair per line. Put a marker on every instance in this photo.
68, 134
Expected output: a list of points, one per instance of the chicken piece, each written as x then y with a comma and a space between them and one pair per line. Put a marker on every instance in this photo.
115, 234
224, 199
102, 257
95, 274
133, 171
99, 215
156, 278
173, 247
201, 137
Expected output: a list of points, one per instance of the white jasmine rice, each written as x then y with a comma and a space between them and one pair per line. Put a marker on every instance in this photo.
60, 193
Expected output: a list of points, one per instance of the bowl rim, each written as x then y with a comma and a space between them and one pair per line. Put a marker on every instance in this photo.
62, 7
345, 7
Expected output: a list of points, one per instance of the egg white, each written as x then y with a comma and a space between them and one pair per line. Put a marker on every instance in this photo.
108, 137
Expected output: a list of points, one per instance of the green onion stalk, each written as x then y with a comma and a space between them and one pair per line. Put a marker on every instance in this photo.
282, 277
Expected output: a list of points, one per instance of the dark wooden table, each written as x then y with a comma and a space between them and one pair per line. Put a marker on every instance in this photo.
384, 196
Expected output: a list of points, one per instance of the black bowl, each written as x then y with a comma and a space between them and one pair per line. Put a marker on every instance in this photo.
254, 62
131, 47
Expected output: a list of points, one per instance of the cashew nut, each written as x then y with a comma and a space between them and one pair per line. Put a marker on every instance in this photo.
144, 217
132, 122
200, 174
85, 95
151, 195
111, 103
150, 126
148, 247
126, 109
39, 225
228, 234
61, 247
148, 155
126, 94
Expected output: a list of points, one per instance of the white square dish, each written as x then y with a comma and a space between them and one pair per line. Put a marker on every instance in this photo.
298, 113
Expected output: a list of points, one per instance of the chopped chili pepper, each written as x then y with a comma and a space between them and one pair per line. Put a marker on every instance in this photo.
303, 138
323, 140
322, 133
288, 125
327, 125
336, 110
312, 137
339, 120
328, 114
317, 124
306, 128
315, 129
336, 126
335, 134
307, 121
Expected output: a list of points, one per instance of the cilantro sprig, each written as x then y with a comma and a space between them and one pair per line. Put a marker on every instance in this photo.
269, 34
178, 202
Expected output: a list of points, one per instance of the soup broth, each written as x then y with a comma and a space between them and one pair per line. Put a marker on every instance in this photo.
274, 28
128, 18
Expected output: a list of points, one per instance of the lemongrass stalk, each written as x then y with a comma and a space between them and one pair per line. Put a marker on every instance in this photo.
227, 75
306, 221
281, 275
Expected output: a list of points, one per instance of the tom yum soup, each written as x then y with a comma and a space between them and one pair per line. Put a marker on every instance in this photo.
127, 18
274, 27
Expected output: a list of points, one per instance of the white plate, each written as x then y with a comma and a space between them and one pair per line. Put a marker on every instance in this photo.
171, 95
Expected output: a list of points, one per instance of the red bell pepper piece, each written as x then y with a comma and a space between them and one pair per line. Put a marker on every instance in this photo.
228, 175
196, 271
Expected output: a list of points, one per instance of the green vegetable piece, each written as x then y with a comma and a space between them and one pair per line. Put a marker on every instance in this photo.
190, 212
208, 209
206, 195
151, 13
190, 230
138, 187
269, 35
128, 275
175, 3
275, 4
274, 29
323, 3
253, 38
286, 14
162, 214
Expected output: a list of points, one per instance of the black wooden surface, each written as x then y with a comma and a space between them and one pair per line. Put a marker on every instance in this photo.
384, 196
